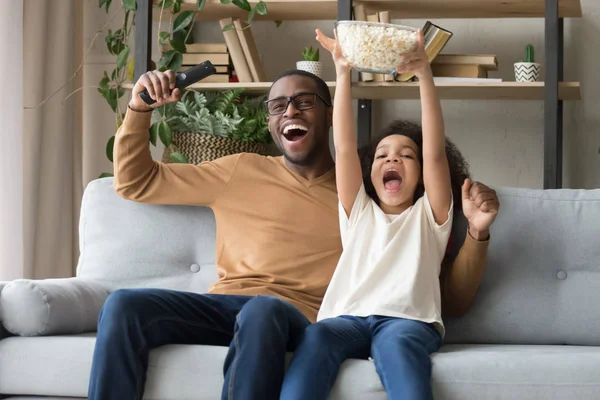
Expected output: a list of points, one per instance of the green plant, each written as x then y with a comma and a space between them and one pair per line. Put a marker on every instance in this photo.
529, 55
223, 113
310, 54
178, 36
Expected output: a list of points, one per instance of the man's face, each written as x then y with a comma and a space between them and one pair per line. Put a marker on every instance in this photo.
302, 135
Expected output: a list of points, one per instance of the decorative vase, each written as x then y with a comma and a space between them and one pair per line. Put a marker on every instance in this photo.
314, 67
527, 71
198, 147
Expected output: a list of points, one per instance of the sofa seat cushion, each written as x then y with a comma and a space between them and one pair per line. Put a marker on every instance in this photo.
532, 372
60, 366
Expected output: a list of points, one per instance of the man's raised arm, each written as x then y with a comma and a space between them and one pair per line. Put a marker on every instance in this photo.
461, 277
138, 177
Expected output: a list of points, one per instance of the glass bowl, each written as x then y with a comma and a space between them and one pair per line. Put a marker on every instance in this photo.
374, 46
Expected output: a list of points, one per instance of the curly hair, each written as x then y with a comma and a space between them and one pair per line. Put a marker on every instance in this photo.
459, 168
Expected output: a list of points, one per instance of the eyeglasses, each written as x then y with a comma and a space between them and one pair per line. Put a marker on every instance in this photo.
302, 102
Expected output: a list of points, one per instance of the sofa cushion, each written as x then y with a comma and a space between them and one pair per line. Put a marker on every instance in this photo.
51, 306
129, 244
542, 281
61, 367
516, 372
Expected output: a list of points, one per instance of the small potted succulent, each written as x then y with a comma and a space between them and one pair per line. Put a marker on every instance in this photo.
528, 70
310, 61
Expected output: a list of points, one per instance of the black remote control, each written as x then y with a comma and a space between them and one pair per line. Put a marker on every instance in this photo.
185, 79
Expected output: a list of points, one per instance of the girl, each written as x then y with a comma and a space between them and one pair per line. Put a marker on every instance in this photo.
384, 298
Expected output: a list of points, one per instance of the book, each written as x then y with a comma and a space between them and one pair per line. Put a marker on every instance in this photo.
250, 50
375, 18
459, 71
466, 80
197, 58
235, 51
436, 38
221, 69
200, 47
384, 17
487, 61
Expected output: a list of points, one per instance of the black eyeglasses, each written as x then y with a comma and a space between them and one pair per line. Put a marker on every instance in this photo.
302, 102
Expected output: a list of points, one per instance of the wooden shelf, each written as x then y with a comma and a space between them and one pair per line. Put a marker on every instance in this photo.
465, 91
446, 90
406, 9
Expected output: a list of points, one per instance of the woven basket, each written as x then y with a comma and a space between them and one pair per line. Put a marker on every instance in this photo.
198, 147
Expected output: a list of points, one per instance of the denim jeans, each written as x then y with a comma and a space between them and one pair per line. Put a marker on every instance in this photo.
258, 330
400, 349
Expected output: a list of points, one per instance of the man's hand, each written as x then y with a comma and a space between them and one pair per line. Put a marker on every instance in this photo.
480, 206
160, 86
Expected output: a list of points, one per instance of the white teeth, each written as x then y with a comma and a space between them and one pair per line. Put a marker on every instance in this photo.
290, 127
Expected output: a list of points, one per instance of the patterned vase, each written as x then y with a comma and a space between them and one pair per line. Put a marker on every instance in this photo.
527, 72
198, 147
314, 67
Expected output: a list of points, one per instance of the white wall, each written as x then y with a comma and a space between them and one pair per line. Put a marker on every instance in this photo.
502, 140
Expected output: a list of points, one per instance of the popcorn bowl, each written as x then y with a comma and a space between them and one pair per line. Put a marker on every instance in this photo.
375, 47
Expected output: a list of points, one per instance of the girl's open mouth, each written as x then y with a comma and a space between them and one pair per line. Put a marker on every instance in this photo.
392, 180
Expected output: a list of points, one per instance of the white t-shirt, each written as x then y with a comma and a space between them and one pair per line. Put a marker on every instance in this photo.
390, 264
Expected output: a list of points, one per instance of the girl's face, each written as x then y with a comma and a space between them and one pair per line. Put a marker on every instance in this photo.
396, 172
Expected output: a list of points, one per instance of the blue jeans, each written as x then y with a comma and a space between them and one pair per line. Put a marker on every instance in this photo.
399, 347
258, 330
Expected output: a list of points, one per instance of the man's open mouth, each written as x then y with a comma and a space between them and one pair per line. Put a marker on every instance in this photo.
392, 180
294, 132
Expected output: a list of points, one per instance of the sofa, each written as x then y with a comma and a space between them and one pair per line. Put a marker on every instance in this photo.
533, 331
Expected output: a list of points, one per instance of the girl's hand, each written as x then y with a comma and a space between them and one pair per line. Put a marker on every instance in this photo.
417, 61
342, 65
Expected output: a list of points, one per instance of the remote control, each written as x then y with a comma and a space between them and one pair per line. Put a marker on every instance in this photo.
184, 79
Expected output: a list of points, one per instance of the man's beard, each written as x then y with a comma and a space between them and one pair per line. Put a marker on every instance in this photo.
306, 160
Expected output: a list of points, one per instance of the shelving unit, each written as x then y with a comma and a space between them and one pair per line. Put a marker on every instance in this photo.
410, 91
553, 92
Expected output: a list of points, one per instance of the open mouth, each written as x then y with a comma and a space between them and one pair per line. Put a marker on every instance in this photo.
294, 132
392, 180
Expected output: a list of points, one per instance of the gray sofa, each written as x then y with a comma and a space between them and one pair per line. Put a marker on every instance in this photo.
533, 332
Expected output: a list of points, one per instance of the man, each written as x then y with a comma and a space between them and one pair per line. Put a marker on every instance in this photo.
278, 243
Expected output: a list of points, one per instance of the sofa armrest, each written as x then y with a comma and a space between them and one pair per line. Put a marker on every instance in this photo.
51, 306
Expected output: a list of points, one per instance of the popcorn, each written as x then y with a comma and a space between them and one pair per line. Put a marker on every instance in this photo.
375, 47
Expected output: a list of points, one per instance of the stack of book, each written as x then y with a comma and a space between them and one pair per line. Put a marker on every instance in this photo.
464, 67
236, 60
216, 53
245, 59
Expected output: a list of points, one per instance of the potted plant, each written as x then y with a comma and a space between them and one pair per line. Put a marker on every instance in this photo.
206, 126
528, 70
310, 61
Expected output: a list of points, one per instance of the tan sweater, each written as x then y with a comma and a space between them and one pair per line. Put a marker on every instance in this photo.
277, 232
